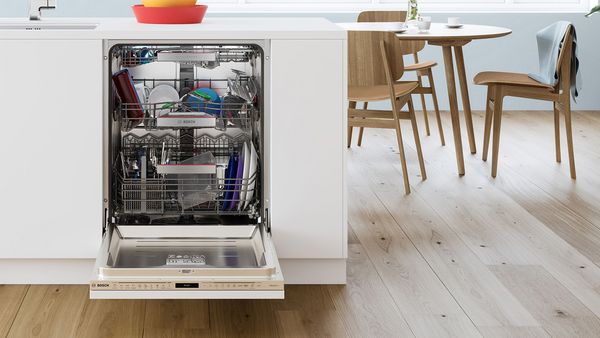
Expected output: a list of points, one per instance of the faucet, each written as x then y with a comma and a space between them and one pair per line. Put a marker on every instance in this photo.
36, 6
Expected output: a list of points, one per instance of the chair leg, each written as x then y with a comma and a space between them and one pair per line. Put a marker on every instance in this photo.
395, 111
435, 106
423, 104
557, 132
413, 121
498, 98
488, 122
362, 129
352, 105
569, 127
402, 158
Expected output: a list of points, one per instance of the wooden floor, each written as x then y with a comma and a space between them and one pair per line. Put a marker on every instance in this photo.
517, 256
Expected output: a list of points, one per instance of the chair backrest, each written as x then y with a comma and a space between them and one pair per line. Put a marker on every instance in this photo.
382, 16
563, 67
409, 47
367, 64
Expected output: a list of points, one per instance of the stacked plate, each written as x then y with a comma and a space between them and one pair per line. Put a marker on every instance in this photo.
240, 178
169, 12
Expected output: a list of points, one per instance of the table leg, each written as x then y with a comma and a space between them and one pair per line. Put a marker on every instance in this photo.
464, 90
449, 66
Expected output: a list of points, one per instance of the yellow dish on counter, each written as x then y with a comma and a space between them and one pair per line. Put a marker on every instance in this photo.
168, 3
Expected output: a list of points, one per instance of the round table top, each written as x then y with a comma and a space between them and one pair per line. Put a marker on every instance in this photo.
438, 31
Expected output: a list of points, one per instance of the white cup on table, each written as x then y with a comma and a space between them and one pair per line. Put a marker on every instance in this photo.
453, 21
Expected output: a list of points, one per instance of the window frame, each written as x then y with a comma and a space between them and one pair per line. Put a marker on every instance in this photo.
427, 6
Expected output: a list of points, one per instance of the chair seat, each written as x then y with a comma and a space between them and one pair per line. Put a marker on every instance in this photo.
420, 66
378, 93
506, 78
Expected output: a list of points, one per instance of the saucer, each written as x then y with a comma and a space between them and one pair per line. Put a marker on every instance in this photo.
454, 26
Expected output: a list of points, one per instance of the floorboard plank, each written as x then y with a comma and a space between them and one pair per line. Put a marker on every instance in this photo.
513, 331
315, 310
50, 311
559, 312
111, 319
365, 304
11, 297
176, 318
242, 318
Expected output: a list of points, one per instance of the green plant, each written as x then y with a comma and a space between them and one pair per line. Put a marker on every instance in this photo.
594, 10
413, 10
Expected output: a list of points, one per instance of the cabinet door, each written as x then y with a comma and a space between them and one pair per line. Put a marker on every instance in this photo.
307, 148
50, 148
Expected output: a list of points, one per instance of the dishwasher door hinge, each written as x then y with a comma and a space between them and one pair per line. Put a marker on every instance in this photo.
267, 221
105, 223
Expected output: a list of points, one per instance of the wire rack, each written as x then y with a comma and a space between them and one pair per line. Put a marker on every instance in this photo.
192, 111
177, 194
202, 55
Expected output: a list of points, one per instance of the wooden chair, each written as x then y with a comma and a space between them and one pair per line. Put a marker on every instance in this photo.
374, 65
502, 84
421, 68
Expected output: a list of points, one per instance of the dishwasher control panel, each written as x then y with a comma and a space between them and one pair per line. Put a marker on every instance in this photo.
186, 285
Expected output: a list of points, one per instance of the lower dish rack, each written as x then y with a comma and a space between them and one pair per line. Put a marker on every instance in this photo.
158, 176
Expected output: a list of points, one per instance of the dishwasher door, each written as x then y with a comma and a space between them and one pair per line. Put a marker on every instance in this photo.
187, 262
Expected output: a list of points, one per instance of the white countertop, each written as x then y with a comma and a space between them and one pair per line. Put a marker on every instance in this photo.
211, 28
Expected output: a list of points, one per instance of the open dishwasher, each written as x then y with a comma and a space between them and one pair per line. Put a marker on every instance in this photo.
186, 180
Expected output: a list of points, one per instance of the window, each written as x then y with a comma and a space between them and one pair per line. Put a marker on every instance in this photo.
430, 6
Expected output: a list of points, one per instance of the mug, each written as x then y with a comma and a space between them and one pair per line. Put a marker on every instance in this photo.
143, 92
454, 20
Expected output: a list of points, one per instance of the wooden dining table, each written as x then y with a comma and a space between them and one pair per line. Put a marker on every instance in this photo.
448, 39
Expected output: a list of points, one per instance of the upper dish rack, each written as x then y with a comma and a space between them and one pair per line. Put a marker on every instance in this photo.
238, 109
205, 56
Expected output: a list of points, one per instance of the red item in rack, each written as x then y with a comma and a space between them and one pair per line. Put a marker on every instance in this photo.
129, 97
170, 15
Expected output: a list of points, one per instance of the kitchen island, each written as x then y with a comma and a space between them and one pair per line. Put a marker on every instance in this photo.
56, 192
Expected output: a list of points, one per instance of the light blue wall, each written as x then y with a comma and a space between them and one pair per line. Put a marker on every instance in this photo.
516, 52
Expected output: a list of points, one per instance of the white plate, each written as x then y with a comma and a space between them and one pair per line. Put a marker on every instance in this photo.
454, 26
160, 94
253, 169
166, 71
245, 177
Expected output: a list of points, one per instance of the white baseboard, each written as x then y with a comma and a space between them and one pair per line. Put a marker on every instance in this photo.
79, 271
46, 271
314, 271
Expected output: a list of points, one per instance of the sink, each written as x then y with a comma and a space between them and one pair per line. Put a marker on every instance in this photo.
42, 26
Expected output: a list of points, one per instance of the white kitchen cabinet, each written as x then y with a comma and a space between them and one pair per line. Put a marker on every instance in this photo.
307, 148
51, 148
51, 178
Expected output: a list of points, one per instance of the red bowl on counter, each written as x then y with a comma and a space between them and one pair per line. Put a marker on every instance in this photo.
170, 15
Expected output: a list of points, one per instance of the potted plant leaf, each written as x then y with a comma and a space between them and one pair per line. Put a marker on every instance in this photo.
594, 10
